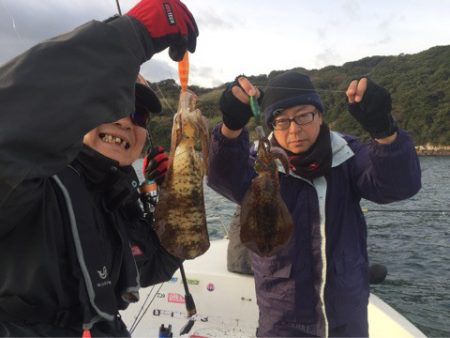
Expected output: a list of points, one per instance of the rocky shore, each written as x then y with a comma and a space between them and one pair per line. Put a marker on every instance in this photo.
433, 149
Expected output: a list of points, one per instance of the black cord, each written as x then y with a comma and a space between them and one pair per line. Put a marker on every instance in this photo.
118, 7
190, 305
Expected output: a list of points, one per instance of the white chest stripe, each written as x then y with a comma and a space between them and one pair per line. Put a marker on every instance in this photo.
320, 184
341, 153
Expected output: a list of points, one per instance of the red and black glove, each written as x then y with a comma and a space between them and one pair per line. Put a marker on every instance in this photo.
169, 23
155, 164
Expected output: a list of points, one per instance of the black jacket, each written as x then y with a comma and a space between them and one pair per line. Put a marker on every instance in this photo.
51, 96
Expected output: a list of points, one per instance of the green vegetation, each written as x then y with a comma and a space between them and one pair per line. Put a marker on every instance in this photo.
419, 85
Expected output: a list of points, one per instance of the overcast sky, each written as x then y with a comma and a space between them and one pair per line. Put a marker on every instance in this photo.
254, 36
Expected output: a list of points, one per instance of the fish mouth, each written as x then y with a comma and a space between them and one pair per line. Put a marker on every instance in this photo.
114, 139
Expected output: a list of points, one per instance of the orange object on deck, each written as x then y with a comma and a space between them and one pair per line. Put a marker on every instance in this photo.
183, 71
86, 334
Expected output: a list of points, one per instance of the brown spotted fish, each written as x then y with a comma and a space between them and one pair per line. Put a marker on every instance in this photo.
266, 223
180, 218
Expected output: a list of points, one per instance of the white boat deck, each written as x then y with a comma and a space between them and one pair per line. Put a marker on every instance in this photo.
226, 304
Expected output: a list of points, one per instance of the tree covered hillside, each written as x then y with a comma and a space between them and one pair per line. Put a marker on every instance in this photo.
419, 85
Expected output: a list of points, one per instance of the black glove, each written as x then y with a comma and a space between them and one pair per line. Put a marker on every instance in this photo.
235, 114
374, 111
169, 23
155, 164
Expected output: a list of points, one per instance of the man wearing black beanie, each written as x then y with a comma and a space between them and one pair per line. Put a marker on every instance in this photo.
317, 285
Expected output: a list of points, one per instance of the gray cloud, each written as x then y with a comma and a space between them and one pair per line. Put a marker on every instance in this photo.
209, 19
322, 33
157, 70
351, 8
25, 23
385, 26
44, 19
384, 41
206, 73
327, 57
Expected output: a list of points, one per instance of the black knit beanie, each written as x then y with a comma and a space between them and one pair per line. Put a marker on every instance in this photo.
287, 90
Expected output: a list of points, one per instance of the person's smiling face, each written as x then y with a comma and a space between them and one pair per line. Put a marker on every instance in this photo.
297, 138
122, 141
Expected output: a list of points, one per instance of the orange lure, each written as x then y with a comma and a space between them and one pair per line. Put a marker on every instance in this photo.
183, 71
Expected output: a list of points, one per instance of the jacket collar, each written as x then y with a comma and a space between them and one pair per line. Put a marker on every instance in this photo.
94, 166
340, 149
118, 184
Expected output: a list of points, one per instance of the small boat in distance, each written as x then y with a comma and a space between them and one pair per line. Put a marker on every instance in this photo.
226, 304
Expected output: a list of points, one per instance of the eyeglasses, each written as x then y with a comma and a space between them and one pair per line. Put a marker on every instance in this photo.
301, 120
140, 118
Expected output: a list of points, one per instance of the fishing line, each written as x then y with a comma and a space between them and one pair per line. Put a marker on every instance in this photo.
138, 319
421, 242
213, 218
132, 327
366, 210
262, 86
265, 87
432, 244
163, 97
13, 21
299, 88
118, 7
148, 306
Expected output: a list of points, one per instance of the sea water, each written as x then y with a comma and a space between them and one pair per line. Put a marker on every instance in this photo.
411, 238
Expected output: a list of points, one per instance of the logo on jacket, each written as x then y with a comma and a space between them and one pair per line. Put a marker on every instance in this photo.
103, 273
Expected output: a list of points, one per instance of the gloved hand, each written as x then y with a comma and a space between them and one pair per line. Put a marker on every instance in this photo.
236, 112
373, 110
169, 23
155, 164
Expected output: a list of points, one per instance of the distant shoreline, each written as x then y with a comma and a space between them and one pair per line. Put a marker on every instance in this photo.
425, 153
433, 150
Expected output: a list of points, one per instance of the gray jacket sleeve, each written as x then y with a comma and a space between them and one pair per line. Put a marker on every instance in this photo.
54, 93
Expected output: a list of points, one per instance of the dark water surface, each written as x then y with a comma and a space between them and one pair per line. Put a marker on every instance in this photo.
414, 243
411, 239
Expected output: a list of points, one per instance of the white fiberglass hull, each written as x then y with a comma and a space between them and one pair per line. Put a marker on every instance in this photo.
226, 304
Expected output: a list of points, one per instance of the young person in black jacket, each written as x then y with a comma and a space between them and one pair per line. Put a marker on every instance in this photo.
74, 245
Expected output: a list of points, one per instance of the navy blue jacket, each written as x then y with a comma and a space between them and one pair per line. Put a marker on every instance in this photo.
320, 280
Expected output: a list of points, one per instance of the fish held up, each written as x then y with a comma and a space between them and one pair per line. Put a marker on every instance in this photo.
180, 217
266, 223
